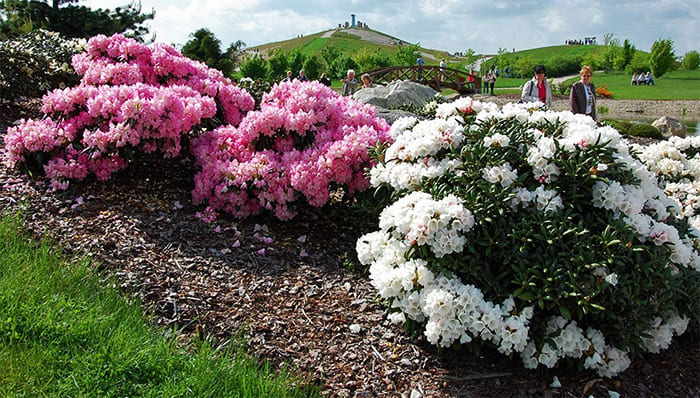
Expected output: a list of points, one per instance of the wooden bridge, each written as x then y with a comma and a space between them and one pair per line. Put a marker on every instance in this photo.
433, 76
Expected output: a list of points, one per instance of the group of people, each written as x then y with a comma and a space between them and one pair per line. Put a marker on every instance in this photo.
642, 79
581, 98
303, 78
351, 85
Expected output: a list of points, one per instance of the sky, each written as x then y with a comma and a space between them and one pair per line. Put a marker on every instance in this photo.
451, 25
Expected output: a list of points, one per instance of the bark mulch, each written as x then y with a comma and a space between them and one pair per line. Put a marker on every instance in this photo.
294, 289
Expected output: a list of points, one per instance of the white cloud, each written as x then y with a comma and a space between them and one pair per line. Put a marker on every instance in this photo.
452, 25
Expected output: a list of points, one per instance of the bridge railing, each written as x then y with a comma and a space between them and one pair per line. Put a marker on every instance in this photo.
433, 76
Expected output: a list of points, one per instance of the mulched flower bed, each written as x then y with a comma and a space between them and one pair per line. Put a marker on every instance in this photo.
294, 289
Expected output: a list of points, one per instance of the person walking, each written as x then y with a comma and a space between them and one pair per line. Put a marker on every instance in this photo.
582, 97
491, 78
419, 62
537, 89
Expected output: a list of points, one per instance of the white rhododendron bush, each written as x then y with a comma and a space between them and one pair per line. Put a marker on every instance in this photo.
534, 232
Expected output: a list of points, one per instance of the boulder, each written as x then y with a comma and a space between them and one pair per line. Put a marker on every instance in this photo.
669, 126
392, 115
396, 93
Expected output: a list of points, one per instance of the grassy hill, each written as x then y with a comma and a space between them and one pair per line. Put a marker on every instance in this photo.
348, 43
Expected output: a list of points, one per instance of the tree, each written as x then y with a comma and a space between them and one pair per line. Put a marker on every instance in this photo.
254, 66
662, 57
313, 67
610, 51
278, 65
470, 58
639, 63
74, 21
295, 61
205, 47
691, 60
624, 57
407, 55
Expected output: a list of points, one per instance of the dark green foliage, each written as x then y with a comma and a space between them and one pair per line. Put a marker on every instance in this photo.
278, 65
313, 67
205, 47
254, 67
78, 21
644, 130
34, 63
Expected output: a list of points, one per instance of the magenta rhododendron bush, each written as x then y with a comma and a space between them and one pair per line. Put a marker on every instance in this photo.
303, 141
131, 97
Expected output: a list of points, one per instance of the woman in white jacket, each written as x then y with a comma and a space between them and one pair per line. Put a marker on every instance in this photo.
537, 89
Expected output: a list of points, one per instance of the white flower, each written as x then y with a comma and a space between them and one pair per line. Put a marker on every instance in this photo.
611, 279
503, 174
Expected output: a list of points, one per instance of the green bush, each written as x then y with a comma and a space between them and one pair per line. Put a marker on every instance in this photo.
644, 130
565, 86
620, 125
37, 62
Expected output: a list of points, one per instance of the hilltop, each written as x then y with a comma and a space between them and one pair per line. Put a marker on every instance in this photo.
352, 40
348, 41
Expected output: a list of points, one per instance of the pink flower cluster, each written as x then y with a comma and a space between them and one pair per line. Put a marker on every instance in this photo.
131, 97
303, 140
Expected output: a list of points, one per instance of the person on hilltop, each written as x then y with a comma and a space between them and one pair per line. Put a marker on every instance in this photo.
537, 89
350, 84
325, 80
582, 97
302, 76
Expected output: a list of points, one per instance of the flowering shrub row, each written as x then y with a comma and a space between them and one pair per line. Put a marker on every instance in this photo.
36, 62
303, 141
130, 98
533, 231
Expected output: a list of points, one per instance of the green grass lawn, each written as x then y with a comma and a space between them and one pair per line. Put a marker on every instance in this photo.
64, 333
676, 85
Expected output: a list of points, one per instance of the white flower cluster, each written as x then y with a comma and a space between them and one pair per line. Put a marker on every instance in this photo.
453, 311
418, 219
503, 174
662, 332
667, 158
564, 339
411, 158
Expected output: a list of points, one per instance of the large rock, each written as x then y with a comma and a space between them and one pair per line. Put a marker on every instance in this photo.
392, 115
669, 126
396, 93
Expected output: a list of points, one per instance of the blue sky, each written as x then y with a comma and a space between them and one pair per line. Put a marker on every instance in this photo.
451, 25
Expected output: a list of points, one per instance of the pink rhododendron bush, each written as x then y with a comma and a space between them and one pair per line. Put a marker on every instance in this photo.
534, 232
303, 142
131, 98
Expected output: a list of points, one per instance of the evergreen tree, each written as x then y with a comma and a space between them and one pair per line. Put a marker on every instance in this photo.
205, 47
73, 21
